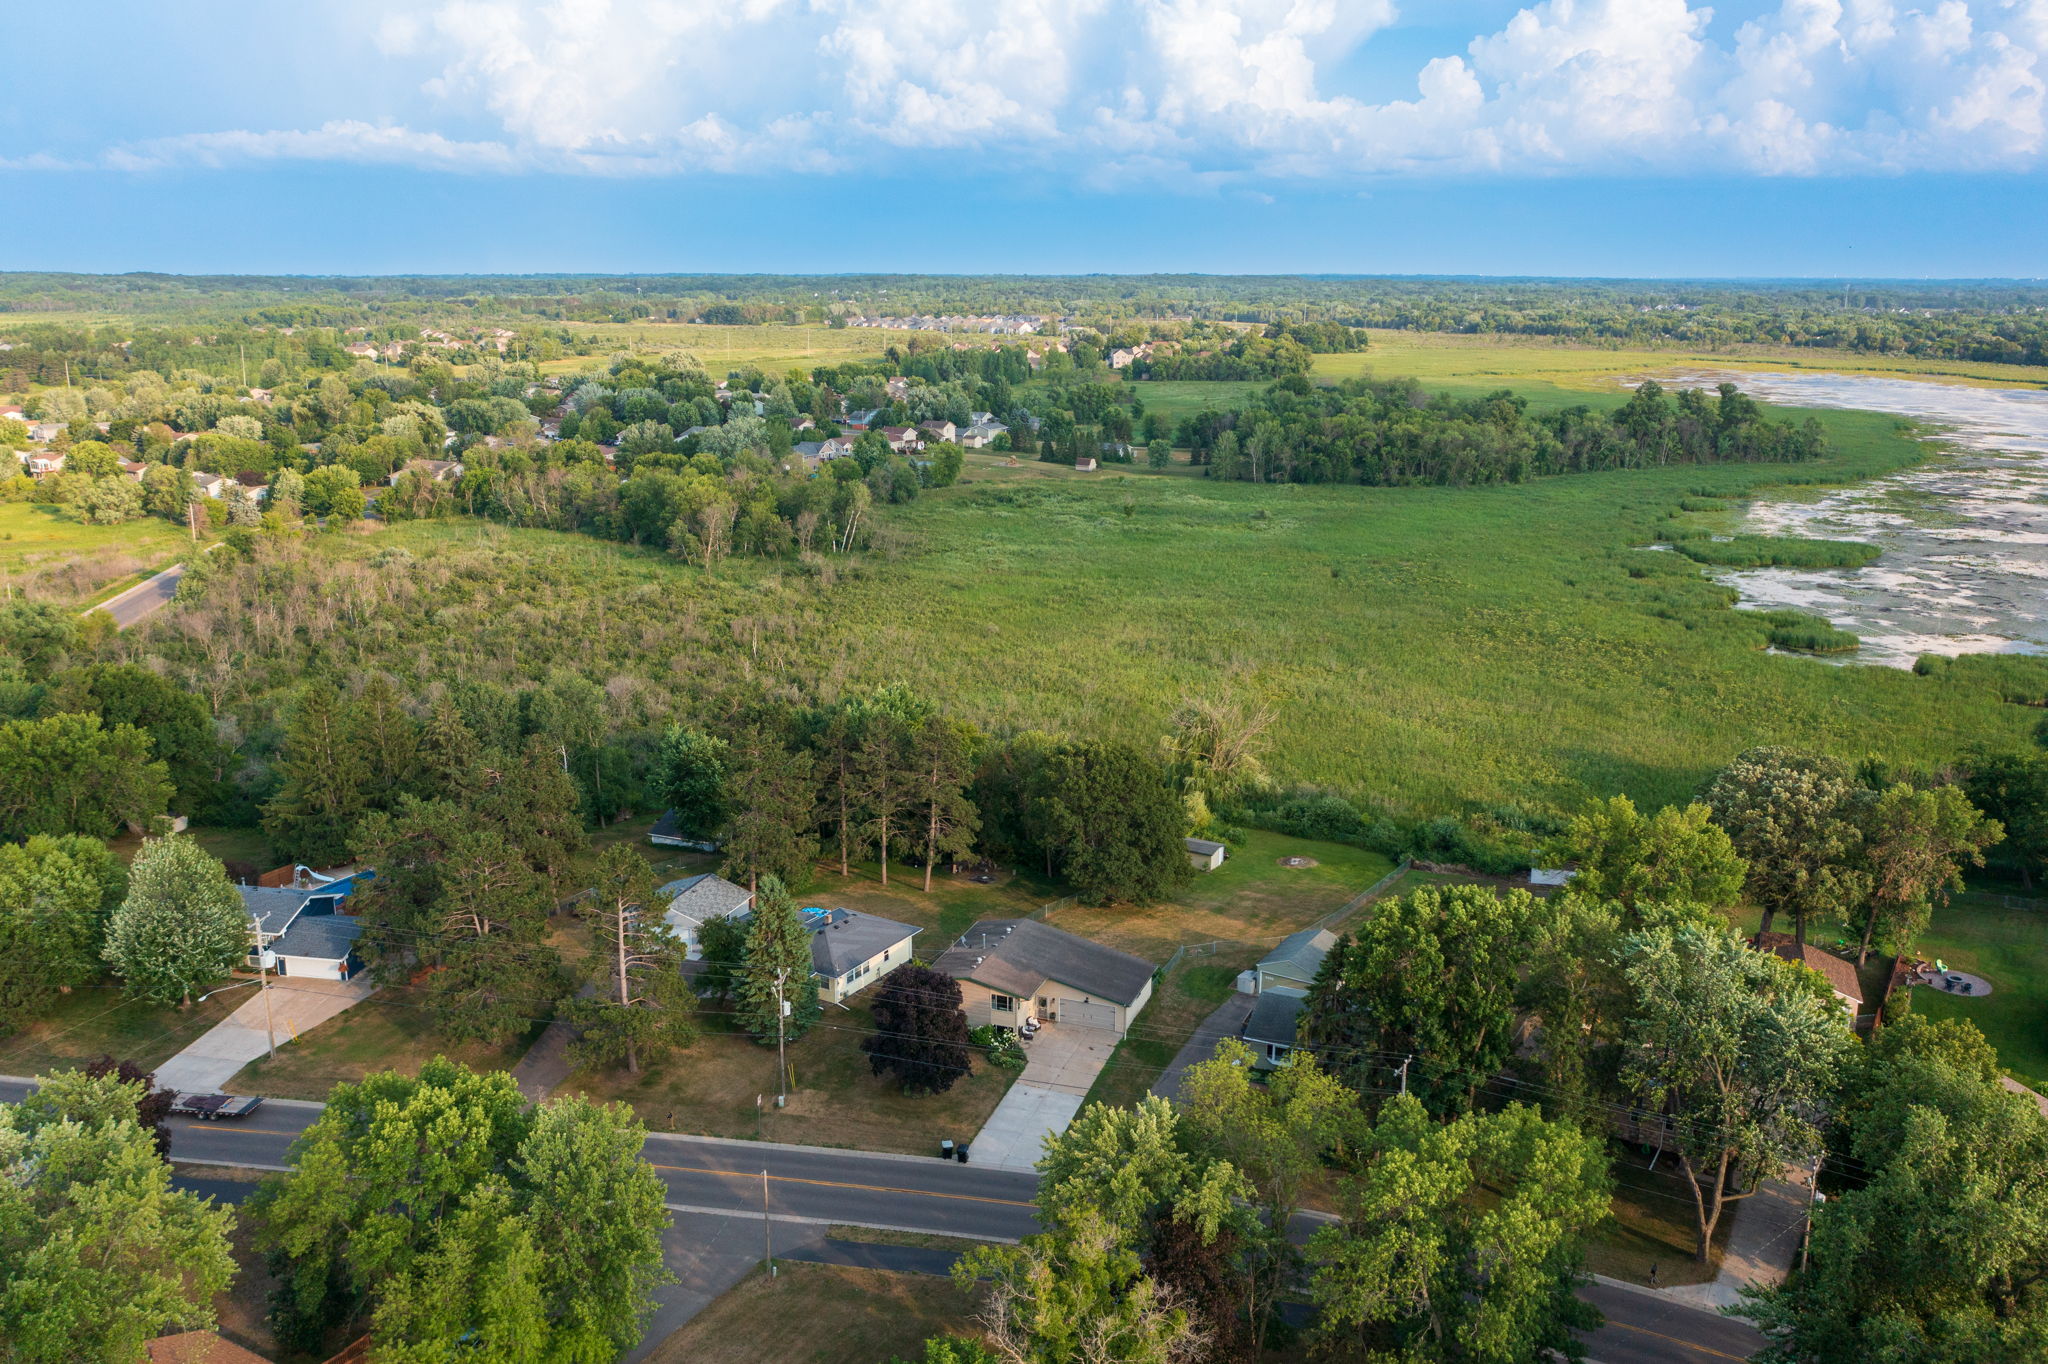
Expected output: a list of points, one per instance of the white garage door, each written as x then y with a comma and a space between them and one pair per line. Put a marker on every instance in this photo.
1085, 1015
316, 968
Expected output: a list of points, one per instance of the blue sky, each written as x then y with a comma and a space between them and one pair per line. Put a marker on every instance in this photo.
1863, 138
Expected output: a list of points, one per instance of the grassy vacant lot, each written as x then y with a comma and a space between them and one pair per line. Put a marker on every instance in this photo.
821, 1314
86, 1024
2006, 942
711, 1089
387, 1031
47, 553
1429, 648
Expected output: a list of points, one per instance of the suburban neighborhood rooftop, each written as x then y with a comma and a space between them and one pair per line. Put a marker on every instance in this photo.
1018, 954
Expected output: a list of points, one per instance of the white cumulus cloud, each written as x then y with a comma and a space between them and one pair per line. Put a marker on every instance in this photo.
1202, 94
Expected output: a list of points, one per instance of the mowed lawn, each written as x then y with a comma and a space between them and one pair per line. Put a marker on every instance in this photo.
2004, 940
391, 1030
821, 1314
89, 1023
724, 1085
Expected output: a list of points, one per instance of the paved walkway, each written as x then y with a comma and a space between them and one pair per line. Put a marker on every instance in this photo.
1763, 1240
296, 1005
1225, 1022
546, 1064
1061, 1064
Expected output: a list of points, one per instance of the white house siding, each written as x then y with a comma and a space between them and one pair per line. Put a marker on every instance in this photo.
311, 968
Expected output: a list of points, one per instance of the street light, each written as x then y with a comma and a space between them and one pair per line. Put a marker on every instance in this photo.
262, 981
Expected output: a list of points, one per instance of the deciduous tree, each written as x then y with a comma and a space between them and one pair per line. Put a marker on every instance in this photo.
71, 774
920, 1034
1676, 856
1738, 1048
56, 895
182, 924
98, 1253
1793, 819
1917, 843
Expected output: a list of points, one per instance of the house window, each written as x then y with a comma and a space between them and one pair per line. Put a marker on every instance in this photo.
1002, 1004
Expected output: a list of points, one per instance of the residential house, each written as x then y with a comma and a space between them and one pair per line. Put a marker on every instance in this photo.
41, 463
939, 430
211, 485
694, 901
13, 414
42, 433
902, 439
851, 950
1205, 854
261, 395
1012, 969
1290, 968
667, 833
981, 434
1839, 973
134, 468
304, 926
833, 447
897, 388
861, 421
362, 350
1270, 1030
810, 452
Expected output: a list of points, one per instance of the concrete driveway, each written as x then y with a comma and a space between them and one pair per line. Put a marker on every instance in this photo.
1061, 1064
296, 1004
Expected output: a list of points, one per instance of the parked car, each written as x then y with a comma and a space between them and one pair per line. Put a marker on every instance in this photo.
212, 1107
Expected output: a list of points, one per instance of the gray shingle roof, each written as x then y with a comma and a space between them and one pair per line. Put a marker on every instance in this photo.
325, 936
276, 906
1202, 847
1274, 1019
1300, 955
842, 939
1017, 954
704, 897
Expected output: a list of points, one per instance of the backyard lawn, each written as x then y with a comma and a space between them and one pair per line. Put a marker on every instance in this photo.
724, 1086
387, 1031
89, 1023
2006, 943
821, 1314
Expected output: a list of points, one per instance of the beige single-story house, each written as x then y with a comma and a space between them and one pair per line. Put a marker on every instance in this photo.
851, 950
1206, 854
694, 901
1839, 973
1013, 969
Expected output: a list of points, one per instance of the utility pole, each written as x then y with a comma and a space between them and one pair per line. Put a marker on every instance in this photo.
263, 977
1812, 1197
781, 1064
1404, 1073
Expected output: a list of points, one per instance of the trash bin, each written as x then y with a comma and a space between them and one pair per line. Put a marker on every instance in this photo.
961, 1151
946, 1149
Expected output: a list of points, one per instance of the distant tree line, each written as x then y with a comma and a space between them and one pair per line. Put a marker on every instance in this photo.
1394, 434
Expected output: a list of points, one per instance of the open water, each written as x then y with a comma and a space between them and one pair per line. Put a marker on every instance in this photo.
1965, 535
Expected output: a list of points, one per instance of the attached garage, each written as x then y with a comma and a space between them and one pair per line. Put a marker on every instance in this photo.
1087, 1014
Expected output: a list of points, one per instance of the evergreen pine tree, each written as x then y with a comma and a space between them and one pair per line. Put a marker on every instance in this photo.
947, 818
770, 792
450, 759
646, 1002
777, 942
312, 817
387, 738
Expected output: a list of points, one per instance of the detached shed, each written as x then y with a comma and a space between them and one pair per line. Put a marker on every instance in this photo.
1204, 855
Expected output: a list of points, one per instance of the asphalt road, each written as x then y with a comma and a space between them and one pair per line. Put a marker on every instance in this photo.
144, 599
708, 1177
